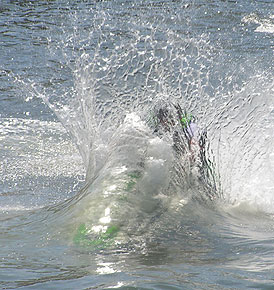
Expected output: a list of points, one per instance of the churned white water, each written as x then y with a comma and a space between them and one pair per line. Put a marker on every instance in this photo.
92, 194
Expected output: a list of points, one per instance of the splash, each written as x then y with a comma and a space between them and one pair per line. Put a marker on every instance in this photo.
118, 69
105, 67
245, 145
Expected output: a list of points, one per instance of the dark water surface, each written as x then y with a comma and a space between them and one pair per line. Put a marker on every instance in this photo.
90, 198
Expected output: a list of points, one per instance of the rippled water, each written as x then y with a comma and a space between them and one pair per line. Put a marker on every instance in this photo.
91, 196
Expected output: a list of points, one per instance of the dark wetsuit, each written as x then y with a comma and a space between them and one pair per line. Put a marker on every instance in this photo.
187, 139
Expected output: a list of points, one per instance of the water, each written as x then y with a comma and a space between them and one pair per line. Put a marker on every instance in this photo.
90, 196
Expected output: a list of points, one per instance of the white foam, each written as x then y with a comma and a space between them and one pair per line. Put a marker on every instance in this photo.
9, 208
266, 25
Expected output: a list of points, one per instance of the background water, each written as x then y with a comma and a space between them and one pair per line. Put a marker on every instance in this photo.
72, 74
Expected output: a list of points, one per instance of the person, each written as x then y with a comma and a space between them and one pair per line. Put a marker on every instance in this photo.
189, 141
181, 125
